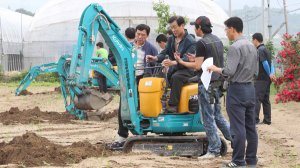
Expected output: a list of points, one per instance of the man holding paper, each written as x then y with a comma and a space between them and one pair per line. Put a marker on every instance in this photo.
209, 51
242, 66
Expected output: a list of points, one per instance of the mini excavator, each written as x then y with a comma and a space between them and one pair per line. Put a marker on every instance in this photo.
62, 67
140, 114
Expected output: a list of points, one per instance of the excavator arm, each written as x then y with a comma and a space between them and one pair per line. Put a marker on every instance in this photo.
44, 68
93, 20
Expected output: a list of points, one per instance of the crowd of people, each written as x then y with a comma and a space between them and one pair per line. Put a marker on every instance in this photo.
245, 61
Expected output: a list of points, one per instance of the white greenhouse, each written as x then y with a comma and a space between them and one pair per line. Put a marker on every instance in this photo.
13, 27
54, 29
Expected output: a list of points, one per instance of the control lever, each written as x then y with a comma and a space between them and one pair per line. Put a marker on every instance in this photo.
164, 97
147, 73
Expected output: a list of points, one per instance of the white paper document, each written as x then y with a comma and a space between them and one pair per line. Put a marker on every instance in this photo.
206, 75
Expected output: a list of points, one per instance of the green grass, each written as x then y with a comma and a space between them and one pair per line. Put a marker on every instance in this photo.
273, 91
16, 84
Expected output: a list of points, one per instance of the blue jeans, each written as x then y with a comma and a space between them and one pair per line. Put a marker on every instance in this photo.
212, 118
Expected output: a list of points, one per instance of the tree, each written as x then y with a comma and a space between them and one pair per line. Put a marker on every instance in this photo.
163, 14
270, 46
289, 84
225, 52
25, 12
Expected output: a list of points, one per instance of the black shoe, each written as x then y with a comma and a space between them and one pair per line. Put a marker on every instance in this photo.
232, 165
265, 123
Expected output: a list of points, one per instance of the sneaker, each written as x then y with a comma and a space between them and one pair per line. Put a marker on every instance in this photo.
118, 144
247, 165
172, 109
209, 155
257, 123
232, 165
120, 139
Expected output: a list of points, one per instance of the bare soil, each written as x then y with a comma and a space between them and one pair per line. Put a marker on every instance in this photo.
33, 150
35, 116
25, 92
79, 143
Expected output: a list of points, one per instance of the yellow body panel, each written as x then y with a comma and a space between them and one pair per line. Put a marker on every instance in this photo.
186, 92
150, 91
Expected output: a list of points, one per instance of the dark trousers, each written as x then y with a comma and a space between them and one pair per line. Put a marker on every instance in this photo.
101, 79
262, 94
240, 107
123, 131
176, 81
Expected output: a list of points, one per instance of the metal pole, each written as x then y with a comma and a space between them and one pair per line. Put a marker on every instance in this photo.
229, 8
21, 34
278, 29
286, 20
263, 17
269, 21
248, 35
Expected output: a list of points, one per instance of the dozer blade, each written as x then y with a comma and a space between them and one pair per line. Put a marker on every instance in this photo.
171, 145
92, 100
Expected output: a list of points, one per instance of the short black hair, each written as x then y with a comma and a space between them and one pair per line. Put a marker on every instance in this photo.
178, 19
258, 37
169, 32
99, 44
130, 32
142, 27
205, 29
236, 23
193, 36
161, 38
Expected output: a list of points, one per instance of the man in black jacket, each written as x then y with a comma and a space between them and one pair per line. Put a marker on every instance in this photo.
180, 43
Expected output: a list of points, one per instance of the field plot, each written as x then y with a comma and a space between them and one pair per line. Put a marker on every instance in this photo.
36, 132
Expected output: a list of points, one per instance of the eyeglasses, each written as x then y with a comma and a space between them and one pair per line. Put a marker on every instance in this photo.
140, 34
226, 30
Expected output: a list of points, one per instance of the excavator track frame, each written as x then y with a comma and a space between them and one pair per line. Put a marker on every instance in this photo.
187, 145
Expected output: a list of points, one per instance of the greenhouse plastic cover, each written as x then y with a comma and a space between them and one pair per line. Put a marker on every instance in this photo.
10, 30
54, 29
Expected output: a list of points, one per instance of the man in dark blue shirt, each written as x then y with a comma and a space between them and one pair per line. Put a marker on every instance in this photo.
263, 80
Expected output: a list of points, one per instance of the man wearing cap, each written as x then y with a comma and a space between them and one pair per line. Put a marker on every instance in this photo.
210, 104
180, 43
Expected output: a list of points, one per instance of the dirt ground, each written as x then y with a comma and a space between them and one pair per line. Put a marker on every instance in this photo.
44, 136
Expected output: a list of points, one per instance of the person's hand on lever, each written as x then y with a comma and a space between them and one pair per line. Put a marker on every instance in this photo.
169, 63
151, 58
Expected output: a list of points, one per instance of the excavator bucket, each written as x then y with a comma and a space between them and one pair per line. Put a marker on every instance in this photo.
92, 99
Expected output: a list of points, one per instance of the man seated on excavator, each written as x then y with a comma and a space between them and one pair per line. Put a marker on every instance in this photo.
144, 48
180, 43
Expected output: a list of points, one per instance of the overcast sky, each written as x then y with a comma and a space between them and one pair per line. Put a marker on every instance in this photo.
34, 5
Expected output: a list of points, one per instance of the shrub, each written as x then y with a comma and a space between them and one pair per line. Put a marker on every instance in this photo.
289, 84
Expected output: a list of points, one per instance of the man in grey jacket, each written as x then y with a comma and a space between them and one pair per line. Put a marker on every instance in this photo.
242, 66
